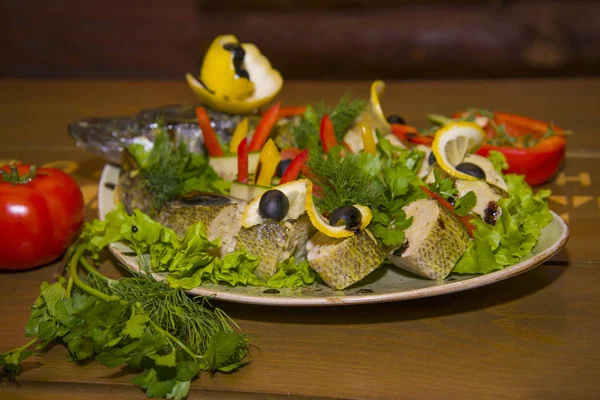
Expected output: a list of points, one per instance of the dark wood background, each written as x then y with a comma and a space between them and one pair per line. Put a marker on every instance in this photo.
309, 39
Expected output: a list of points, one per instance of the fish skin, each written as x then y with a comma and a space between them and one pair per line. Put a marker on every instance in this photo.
107, 137
274, 242
434, 255
221, 215
345, 261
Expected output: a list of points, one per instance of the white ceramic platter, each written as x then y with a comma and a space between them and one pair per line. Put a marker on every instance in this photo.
385, 284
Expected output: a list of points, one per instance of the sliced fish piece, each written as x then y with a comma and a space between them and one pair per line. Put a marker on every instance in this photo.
487, 199
491, 175
221, 215
343, 262
275, 242
221, 218
434, 242
426, 165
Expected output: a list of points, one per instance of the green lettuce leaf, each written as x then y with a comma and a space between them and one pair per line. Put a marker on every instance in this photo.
524, 214
189, 261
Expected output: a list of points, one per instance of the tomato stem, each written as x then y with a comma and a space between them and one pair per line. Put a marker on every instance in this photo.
14, 177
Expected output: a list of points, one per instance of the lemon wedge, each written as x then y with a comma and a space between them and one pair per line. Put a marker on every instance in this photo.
322, 224
453, 142
295, 192
235, 77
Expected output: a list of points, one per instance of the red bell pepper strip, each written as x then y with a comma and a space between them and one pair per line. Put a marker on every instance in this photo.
540, 162
465, 220
290, 111
208, 133
264, 128
242, 161
407, 133
293, 170
327, 134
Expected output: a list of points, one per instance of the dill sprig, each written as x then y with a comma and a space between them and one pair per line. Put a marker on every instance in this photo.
189, 319
169, 170
347, 180
164, 167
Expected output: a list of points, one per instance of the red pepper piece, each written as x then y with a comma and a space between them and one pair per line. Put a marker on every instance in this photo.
327, 134
290, 153
293, 170
407, 133
539, 163
465, 220
208, 133
242, 161
290, 111
264, 128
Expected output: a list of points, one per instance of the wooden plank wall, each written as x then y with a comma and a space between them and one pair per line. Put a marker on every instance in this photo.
310, 39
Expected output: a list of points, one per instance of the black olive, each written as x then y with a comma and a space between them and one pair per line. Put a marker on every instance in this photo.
432, 160
349, 214
282, 166
134, 228
471, 169
396, 119
273, 204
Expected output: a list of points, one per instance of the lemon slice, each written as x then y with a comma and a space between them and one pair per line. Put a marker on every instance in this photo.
377, 90
372, 117
322, 224
295, 191
220, 87
453, 142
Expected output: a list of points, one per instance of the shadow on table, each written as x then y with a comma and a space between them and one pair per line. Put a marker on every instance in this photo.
456, 303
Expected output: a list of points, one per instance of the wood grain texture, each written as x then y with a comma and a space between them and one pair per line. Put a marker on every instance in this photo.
532, 336
39, 111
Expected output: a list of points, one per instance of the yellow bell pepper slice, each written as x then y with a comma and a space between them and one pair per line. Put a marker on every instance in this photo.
269, 159
241, 131
368, 137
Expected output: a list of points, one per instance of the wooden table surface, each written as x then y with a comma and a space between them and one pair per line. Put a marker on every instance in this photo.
532, 336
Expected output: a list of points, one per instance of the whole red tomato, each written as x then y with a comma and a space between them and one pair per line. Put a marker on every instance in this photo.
41, 212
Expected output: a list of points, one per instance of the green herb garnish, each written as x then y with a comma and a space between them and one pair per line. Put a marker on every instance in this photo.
169, 170
383, 184
135, 321
343, 117
465, 203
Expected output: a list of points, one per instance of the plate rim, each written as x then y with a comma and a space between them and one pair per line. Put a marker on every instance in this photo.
110, 174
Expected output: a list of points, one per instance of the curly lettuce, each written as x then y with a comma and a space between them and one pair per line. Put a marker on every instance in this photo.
524, 214
189, 261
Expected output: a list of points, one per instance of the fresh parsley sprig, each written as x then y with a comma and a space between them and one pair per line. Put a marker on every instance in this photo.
134, 321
